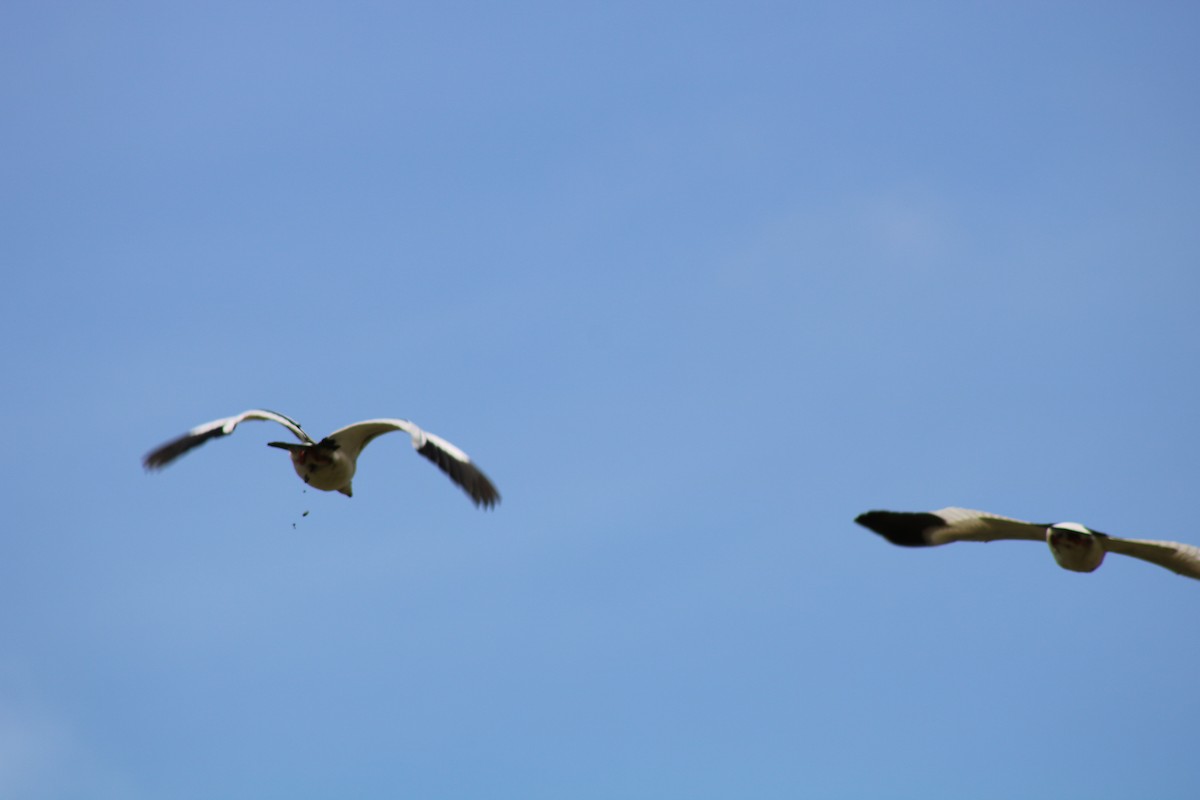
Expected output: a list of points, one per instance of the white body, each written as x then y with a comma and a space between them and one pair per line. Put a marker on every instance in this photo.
331, 472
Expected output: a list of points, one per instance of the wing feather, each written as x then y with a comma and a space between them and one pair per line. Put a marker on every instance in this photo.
947, 525
1181, 558
968, 525
448, 458
166, 453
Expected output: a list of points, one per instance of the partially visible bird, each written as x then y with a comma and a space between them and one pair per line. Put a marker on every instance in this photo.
1074, 546
330, 464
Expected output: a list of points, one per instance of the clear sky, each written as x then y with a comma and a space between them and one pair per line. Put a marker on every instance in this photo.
695, 283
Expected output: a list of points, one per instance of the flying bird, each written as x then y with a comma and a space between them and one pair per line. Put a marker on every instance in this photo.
1074, 546
329, 464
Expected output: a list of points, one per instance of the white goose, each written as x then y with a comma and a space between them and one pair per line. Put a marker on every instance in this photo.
1074, 546
329, 464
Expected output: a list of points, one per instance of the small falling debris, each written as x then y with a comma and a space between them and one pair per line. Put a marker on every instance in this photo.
305, 514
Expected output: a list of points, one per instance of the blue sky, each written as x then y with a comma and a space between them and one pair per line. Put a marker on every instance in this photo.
695, 283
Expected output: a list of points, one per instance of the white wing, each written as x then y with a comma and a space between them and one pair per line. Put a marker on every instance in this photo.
1181, 558
454, 462
165, 454
966, 525
947, 525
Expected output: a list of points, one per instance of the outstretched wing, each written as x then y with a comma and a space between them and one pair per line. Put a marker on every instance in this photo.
1181, 558
449, 459
947, 525
161, 456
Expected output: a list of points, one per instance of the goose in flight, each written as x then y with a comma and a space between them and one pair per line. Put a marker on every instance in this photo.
1074, 546
329, 464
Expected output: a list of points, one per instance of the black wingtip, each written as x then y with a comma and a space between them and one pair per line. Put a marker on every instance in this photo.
907, 529
481, 491
468, 476
159, 458
485, 495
